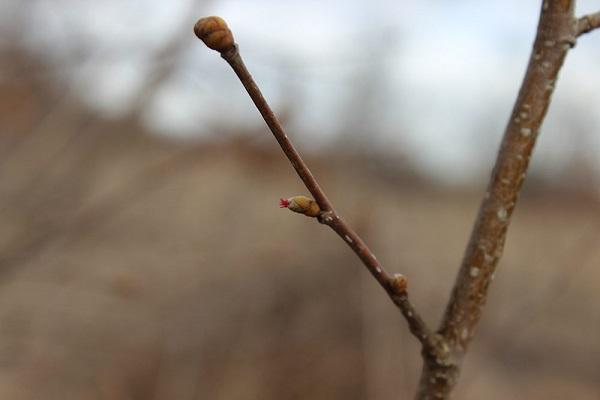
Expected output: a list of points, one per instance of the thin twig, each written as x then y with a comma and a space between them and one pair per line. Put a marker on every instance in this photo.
234, 59
587, 23
215, 34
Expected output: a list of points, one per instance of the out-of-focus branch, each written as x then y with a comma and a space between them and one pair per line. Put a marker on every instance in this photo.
164, 62
213, 31
587, 23
95, 216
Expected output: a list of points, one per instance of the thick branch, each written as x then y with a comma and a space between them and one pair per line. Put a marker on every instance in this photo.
555, 36
587, 23
216, 35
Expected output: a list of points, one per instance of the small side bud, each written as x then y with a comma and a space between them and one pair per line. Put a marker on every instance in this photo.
215, 33
399, 283
302, 205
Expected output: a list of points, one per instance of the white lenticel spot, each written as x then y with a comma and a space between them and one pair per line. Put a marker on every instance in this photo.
464, 334
348, 239
526, 132
502, 214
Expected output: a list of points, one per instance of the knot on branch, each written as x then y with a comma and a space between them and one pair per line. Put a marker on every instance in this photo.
399, 284
436, 349
326, 217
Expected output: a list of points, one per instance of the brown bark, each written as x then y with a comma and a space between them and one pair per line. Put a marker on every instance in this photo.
556, 34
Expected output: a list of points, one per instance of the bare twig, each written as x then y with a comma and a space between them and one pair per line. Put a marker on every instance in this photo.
214, 32
587, 23
444, 350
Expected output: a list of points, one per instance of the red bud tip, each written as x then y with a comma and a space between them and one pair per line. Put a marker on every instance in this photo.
283, 203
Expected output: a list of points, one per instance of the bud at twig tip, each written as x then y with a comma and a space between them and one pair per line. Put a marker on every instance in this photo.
399, 283
215, 33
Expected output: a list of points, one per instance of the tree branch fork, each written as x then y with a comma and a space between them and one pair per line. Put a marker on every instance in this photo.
443, 349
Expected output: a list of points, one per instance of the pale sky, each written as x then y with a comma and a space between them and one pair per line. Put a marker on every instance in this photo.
445, 74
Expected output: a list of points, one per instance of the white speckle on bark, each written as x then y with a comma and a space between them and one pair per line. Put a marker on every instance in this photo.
487, 258
474, 272
524, 114
505, 181
526, 106
348, 239
378, 269
526, 132
502, 214
464, 334
549, 43
546, 64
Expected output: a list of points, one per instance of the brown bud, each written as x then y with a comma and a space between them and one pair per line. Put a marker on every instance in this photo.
399, 283
302, 205
215, 33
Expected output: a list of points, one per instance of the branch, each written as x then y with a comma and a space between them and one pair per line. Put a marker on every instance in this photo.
556, 34
213, 31
587, 23
553, 40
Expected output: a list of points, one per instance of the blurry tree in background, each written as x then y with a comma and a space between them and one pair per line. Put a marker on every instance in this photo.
137, 265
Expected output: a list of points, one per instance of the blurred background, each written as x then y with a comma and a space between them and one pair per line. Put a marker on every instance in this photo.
142, 253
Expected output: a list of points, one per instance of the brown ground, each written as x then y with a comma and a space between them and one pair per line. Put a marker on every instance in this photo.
134, 268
